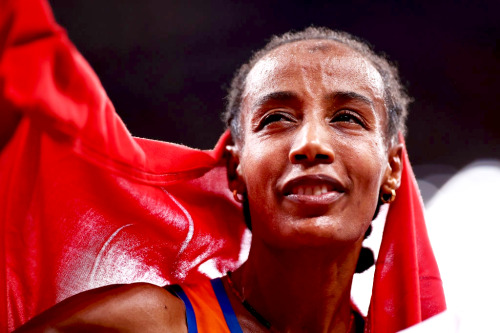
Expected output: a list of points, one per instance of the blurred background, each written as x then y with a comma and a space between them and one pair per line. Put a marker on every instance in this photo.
166, 66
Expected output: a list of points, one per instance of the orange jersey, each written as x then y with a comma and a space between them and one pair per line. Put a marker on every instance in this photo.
208, 308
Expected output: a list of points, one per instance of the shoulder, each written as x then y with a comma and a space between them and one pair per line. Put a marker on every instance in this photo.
135, 307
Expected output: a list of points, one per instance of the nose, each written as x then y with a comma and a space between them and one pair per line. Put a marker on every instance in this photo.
312, 146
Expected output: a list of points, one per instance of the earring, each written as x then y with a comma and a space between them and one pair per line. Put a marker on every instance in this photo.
388, 198
236, 197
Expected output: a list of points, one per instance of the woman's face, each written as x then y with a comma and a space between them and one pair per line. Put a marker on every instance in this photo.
312, 158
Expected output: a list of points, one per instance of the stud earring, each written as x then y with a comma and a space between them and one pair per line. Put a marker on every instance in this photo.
388, 198
236, 197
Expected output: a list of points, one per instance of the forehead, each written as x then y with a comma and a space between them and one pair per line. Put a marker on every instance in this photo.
336, 65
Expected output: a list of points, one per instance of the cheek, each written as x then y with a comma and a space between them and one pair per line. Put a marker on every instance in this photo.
257, 166
367, 167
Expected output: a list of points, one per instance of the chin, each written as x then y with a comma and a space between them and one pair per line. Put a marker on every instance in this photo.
312, 232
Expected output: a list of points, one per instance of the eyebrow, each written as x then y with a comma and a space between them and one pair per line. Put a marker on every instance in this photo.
349, 95
287, 96
278, 96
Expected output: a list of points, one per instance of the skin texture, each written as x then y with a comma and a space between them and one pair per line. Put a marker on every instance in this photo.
313, 115
138, 307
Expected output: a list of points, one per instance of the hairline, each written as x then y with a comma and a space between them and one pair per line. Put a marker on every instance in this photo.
239, 137
395, 97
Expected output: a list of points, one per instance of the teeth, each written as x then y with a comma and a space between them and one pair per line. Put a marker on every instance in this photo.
310, 190
317, 190
324, 189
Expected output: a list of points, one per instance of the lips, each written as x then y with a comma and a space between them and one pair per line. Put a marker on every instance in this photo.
312, 185
313, 194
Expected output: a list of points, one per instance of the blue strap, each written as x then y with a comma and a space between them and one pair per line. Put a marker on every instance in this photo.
225, 305
190, 316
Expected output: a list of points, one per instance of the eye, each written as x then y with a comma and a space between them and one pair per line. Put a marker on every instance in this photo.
349, 117
275, 117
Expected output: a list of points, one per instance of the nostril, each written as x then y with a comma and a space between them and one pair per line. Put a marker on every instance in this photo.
311, 153
300, 157
322, 157
318, 157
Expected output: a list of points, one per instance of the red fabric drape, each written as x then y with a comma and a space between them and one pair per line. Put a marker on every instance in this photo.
83, 203
407, 286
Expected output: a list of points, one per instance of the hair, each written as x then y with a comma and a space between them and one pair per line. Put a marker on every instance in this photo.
396, 98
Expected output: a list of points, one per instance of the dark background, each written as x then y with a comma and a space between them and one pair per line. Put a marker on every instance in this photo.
166, 64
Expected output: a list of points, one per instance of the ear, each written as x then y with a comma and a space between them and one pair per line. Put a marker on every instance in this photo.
392, 177
234, 174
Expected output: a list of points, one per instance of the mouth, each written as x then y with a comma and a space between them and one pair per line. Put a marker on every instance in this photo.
313, 186
311, 190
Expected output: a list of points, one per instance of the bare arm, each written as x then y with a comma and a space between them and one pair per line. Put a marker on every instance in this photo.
136, 307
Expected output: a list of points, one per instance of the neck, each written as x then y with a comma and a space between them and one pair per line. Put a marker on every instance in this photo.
304, 290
